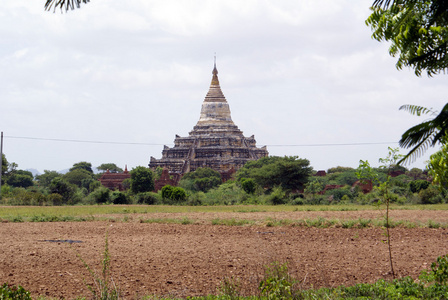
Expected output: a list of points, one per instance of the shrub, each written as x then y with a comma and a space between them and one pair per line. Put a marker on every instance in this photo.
22, 196
429, 195
176, 194
55, 199
339, 193
62, 187
202, 179
8, 291
277, 283
418, 185
230, 288
147, 198
196, 199
100, 195
277, 196
248, 185
119, 198
167, 191
401, 181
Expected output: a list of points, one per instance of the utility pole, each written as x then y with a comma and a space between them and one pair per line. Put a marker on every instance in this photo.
1, 170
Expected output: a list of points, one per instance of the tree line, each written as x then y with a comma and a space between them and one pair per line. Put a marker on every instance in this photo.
270, 180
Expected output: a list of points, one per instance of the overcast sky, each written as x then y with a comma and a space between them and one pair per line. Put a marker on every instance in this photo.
302, 76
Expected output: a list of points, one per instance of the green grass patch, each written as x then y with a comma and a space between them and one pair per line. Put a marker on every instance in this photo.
94, 210
232, 222
183, 221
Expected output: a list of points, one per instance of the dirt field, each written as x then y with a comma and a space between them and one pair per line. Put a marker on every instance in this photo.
186, 260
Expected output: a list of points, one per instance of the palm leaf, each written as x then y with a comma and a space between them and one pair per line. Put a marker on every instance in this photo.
417, 110
64, 4
427, 134
419, 138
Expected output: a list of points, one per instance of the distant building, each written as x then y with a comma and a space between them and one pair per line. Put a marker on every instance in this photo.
114, 181
321, 173
215, 142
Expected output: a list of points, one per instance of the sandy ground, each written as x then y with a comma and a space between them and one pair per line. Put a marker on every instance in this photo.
186, 260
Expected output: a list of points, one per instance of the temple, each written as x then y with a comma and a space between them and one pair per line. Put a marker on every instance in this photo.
215, 142
114, 181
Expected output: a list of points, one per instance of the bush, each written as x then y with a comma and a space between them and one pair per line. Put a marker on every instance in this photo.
62, 187
22, 196
430, 196
8, 291
277, 283
175, 194
196, 199
277, 196
54, 199
119, 198
418, 185
248, 185
149, 198
100, 195
20, 179
202, 179
167, 191
339, 193
401, 181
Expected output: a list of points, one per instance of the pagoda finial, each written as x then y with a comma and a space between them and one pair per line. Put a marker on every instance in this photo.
215, 80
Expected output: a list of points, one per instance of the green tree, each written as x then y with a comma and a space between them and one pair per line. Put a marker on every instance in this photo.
100, 195
418, 32
77, 176
248, 185
118, 197
5, 165
418, 185
45, 179
313, 187
438, 169
7, 168
82, 165
416, 173
167, 190
289, 172
113, 168
20, 178
366, 173
62, 187
339, 169
201, 179
142, 180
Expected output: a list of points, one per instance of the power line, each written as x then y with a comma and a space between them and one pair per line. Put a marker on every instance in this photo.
341, 144
79, 141
155, 144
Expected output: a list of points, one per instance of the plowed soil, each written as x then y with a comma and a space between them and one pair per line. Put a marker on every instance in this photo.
187, 260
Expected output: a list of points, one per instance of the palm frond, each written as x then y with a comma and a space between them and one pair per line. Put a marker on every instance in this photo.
415, 152
382, 3
417, 110
424, 135
64, 4
417, 134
